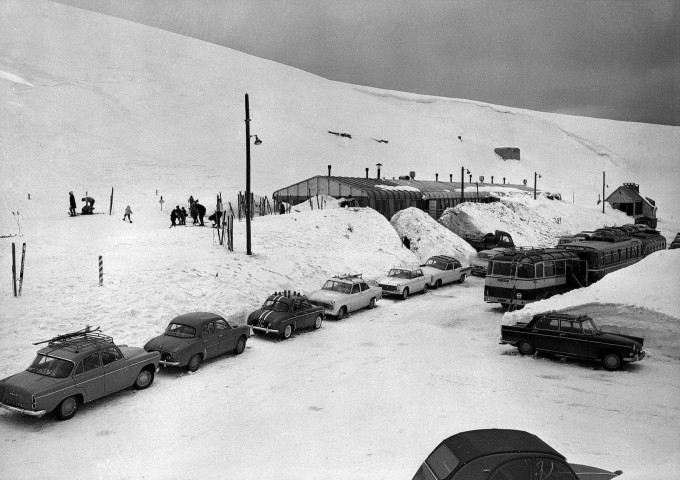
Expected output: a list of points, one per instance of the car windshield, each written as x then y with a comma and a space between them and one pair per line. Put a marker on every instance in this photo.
337, 286
179, 330
484, 256
275, 306
436, 264
51, 366
399, 273
442, 461
589, 326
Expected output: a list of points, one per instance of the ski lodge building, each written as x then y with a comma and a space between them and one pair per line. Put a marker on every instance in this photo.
388, 196
627, 198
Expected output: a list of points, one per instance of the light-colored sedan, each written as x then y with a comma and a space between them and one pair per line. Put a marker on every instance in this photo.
404, 281
342, 295
444, 269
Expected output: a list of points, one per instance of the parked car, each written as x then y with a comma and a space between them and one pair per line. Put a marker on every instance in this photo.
284, 314
499, 454
193, 338
76, 368
571, 239
443, 269
491, 240
404, 281
344, 294
575, 336
481, 262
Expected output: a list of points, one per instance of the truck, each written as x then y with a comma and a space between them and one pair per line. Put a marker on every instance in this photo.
491, 240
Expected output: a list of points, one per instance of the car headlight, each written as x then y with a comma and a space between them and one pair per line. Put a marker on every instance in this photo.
519, 296
333, 302
398, 285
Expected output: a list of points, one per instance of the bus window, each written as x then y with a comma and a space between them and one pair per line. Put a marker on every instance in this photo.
607, 258
549, 270
525, 271
559, 267
539, 270
506, 269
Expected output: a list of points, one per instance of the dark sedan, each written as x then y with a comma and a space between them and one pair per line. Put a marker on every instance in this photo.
496, 454
285, 313
192, 338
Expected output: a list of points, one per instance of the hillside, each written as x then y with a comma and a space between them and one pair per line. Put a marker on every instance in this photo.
90, 102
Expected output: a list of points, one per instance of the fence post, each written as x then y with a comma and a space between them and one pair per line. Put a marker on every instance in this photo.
21, 274
14, 270
101, 271
111, 204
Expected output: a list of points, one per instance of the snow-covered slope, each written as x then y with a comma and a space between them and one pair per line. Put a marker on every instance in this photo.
89, 102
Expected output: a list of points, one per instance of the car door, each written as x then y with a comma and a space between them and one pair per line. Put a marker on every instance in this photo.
570, 338
420, 279
354, 300
546, 334
89, 376
116, 370
226, 335
306, 315
211, 341
365, 295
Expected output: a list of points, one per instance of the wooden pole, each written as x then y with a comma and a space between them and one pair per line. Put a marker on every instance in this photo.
111, 204
21, 274
603, 192
101, 271
462, 184
14, 269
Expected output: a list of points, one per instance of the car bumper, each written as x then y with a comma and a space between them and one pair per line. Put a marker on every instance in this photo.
23, 411
506, 300
264, 329
636, 358
167, 363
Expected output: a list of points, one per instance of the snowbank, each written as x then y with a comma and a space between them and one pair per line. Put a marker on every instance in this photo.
429, 238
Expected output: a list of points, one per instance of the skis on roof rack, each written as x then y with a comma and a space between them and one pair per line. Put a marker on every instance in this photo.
66, 336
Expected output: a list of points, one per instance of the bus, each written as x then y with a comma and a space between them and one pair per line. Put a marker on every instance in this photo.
526, 276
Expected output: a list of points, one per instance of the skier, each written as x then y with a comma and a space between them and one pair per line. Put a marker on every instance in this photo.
200, 209
215, 218
72, 202
173, 217
128, 212
184, 216
194, 213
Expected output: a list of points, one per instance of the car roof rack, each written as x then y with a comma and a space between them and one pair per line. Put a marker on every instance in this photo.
75, 341
349, 276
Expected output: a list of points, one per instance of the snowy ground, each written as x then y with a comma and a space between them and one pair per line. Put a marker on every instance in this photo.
89, 102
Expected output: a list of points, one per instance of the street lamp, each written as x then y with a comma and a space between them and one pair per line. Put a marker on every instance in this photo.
257, 142
462, 183
535, 175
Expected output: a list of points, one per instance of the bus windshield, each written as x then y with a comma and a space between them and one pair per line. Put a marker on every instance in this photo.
503, 269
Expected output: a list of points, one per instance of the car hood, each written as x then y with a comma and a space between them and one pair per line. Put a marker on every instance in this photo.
31, 382
393, 281
432, 270
619, 339
167, 343
585, 472
267, 316
326, 295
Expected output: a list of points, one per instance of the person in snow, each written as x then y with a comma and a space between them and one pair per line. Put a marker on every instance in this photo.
128, 212
72, 202
191, 201
173, 217
282, 208
200, 210
215, 218
194, 213
184, 216
88, 209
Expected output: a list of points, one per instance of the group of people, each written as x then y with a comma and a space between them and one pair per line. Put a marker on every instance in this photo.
196, 210
88, 209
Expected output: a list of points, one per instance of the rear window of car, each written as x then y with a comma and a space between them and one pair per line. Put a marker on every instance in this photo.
179, 330
51, 367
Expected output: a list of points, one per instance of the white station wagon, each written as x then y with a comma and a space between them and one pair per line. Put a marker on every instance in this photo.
404, 281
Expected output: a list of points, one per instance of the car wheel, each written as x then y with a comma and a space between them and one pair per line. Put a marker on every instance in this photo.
462, 278
317, 322
525, 347
505, 306
287, 332
240, 345
371, 304
342, 312
194, 362
67, 408
612, 361
425, 287
404, 294
144, 379
437, 284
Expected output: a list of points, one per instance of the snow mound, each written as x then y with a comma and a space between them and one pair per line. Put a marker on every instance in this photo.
535, 223
318, 202
429, 238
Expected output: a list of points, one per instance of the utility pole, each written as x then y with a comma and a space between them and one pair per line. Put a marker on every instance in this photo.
462, 184
248, 249
535, 175
603, 192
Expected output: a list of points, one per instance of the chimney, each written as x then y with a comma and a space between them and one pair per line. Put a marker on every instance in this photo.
378, 165
366, 172
491, 178
329, 170
412, 174
503, 180
436, 177
450, 177
470, 181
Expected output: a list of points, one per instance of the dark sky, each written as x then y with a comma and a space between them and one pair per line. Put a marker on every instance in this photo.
617, 59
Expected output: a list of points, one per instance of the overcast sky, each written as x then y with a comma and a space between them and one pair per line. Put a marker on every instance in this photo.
617, 59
